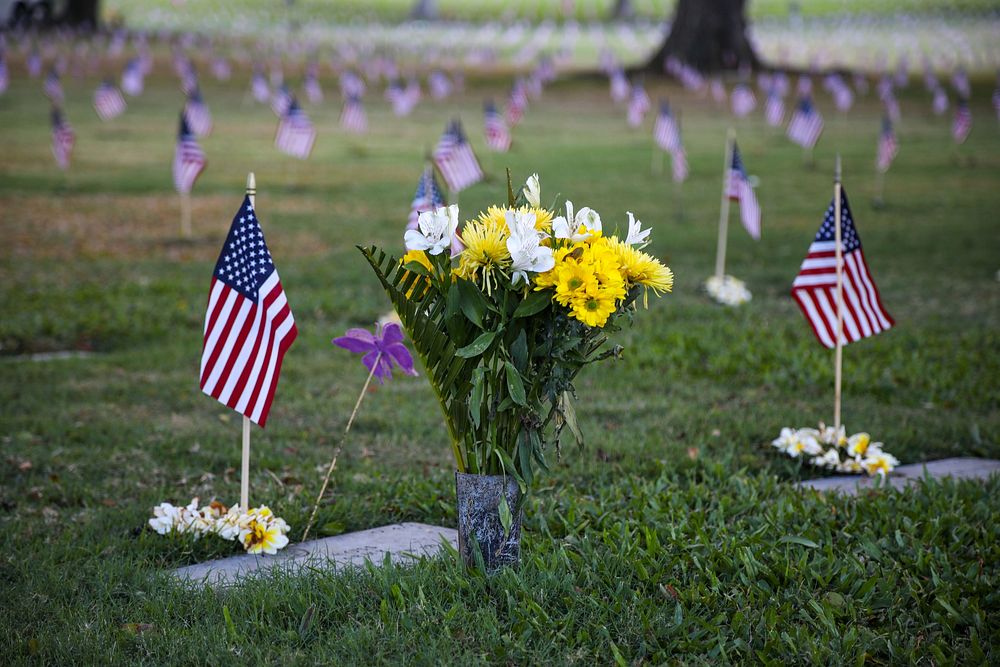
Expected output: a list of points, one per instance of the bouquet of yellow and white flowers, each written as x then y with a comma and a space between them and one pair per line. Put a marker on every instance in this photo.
257, 529
830, 448
506, 312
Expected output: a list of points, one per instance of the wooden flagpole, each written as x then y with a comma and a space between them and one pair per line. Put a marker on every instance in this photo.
186, 215
245, 464
839, 354
720, 253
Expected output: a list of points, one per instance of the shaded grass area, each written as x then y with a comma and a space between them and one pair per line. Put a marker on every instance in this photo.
671, 536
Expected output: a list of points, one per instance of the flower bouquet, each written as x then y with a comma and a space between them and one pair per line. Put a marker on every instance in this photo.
503, 318
257, 529
830, 448
727, 290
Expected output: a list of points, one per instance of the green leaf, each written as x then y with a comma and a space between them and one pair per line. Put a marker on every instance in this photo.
472, 302
478, 346
418, 268
568, 415
476, 396
506, 518
795, 539
514, 384
510, 191
519, 351
533, 303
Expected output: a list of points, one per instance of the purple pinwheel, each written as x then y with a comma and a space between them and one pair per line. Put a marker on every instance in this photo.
385, 346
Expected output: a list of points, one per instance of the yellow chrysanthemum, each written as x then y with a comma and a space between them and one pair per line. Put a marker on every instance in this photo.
498, 216
593, 310
548, 279
485, 250
420, 257
573, 281
640, 268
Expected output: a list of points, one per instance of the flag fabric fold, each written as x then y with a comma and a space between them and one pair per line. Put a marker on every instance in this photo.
295, 135
455, 159
189, 160
739, 189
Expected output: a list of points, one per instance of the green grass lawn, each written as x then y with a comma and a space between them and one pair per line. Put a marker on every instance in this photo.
672, 537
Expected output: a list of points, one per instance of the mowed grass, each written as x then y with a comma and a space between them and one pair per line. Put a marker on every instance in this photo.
672, 537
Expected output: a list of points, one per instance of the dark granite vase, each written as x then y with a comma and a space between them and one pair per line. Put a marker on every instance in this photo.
479, 525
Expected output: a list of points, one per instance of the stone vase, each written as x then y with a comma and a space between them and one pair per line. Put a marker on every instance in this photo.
479, 525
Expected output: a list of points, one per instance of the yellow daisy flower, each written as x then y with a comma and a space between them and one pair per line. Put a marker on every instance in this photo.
593, 310
485, 242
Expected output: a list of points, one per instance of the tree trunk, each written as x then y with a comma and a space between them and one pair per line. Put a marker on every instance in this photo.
81, 14
709, 35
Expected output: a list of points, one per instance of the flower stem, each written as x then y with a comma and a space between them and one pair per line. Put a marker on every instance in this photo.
336, 452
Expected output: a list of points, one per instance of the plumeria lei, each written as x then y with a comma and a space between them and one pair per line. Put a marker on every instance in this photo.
727, 290
828, 448
258, 530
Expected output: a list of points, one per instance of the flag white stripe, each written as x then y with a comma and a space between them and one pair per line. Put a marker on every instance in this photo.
241, 361
272, 283
220, 323
276, 342
817, 320
227, 348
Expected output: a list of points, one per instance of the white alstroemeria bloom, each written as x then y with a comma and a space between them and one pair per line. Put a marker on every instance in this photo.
526, 251
636, 234
434, 232
579, 227
166, 517
532, 191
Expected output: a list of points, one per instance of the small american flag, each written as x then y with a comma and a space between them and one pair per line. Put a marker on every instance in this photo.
454, 158
495, 129
774, 109
258, 86
960, 82
63, 139
248, 323
4, 75
940, 103
666, 133
199, 117
353, 117
739, 189
962, 125
34, 64
815, 287
619, 86
296, 134
133, 78
806, 124
516, 103
679, 163
351, 85
427, 198
439, 84
221, 69
189, 160
742, 100
53, 87
281, 100
108, 101
638, 105
887, 146
314, 93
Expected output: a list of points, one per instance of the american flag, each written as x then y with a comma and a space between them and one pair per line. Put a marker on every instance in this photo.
258, 86
887, 146
940, 103
352, 117
679, 163
962, 124
742, 100
351, 85
248, 323
638, 105
199, 118
427, 198
108, 101
739, 189
4, 75
34, 64
619, 86
439, 85
189, 160
63, 139
454, 158
806, 124
281, 100
314, 92
495, 129
960, 82
133, 78
774, 109
815, 287
221, 69
53, 87
516, 103
296, 134
666, 133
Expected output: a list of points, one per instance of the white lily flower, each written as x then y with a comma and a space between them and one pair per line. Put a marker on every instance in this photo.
585, 223
526, 251
532, 191
435, 230
636, 234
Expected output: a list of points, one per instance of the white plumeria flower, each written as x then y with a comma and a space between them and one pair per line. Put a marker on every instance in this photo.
166, 517
858, 444
526, 251
783, 441
636, 234
228, 526
831, 459
585, 223
532, 191
435, 230
880, 464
